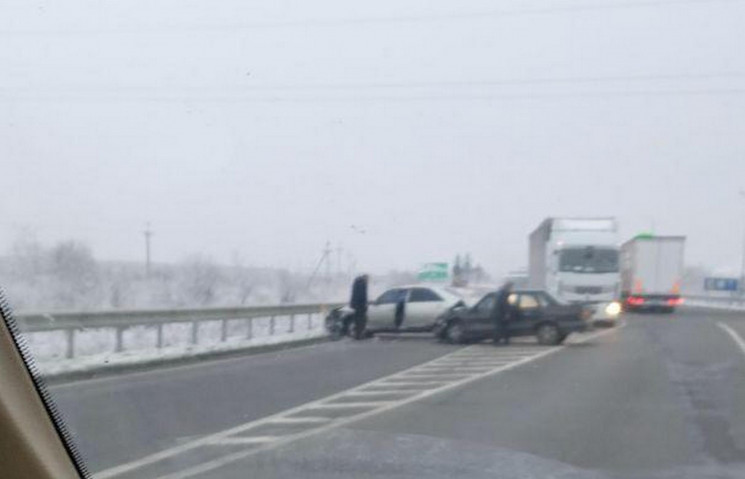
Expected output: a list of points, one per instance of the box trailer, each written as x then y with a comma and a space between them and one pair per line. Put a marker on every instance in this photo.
652, 272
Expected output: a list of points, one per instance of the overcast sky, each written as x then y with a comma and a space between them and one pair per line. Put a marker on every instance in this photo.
406, 131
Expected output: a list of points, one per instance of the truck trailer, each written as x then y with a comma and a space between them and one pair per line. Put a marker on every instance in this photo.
652, 272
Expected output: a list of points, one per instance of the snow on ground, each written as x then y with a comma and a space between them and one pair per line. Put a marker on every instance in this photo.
94, 348
735, 305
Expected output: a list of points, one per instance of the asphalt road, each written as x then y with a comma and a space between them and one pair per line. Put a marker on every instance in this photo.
662, 397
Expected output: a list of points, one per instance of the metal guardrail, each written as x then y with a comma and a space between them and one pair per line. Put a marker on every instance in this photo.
72, 322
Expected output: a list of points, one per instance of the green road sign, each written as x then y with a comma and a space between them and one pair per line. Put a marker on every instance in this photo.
434, 272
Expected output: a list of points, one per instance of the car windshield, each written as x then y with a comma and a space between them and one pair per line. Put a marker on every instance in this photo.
588, 260
254, 238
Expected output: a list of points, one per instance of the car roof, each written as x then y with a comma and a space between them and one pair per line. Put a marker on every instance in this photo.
441, 289
428, 286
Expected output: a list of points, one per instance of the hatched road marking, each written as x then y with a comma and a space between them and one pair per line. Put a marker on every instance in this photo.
445, 373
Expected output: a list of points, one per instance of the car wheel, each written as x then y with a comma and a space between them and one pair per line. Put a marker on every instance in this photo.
455, 333
548, 335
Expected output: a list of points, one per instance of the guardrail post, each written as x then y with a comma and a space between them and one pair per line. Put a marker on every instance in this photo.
310, 321
249, 328
70, 349
271, 326
159, 337
292, 324
119, 347
224, 330
194, 332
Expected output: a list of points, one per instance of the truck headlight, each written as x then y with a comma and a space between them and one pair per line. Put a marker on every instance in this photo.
613, 309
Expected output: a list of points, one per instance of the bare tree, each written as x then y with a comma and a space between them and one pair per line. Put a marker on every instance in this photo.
27, 257
76, 274
200, 278
242, 279
288, 287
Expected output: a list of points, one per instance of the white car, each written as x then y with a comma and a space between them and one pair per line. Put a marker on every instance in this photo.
405, 308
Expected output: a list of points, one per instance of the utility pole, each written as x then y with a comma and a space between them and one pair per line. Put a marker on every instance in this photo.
148, 234
325, 258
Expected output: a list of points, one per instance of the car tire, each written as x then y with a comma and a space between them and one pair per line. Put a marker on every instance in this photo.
548, 334
455, 333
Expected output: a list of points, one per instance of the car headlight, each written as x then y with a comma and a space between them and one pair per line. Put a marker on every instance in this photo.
613, 309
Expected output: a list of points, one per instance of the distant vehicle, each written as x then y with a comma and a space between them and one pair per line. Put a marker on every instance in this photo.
422, 305
535, 313
651, 272
576, 261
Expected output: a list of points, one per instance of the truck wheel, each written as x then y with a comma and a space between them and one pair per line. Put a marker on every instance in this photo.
548, 335
455, 333
562, 337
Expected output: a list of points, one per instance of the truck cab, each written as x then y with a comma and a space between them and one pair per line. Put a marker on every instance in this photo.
577, 261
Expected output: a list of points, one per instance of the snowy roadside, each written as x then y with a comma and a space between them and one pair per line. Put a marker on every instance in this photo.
94, 348
716, 304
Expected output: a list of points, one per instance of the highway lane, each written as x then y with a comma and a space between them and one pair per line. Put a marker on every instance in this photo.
121, 418
663, 397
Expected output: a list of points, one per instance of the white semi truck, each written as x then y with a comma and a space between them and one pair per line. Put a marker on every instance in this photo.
576, 260
651, 272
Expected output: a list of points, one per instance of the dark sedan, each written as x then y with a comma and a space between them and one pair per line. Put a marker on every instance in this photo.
532, 313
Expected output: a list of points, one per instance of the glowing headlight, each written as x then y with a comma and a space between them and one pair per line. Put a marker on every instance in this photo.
613, 309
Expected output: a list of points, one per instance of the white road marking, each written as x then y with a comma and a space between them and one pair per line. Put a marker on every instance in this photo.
375, 408
437, 373
405, 383
400, 390
413, 380
362, 404
459, 369
502, 351
299, 420
166, 453
733, 334
249, 440
475, 364
376, 393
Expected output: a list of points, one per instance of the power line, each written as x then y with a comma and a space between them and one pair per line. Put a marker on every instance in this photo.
362, 99
404, 19
490, 82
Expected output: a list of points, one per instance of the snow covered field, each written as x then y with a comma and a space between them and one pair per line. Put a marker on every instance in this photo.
95, 348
